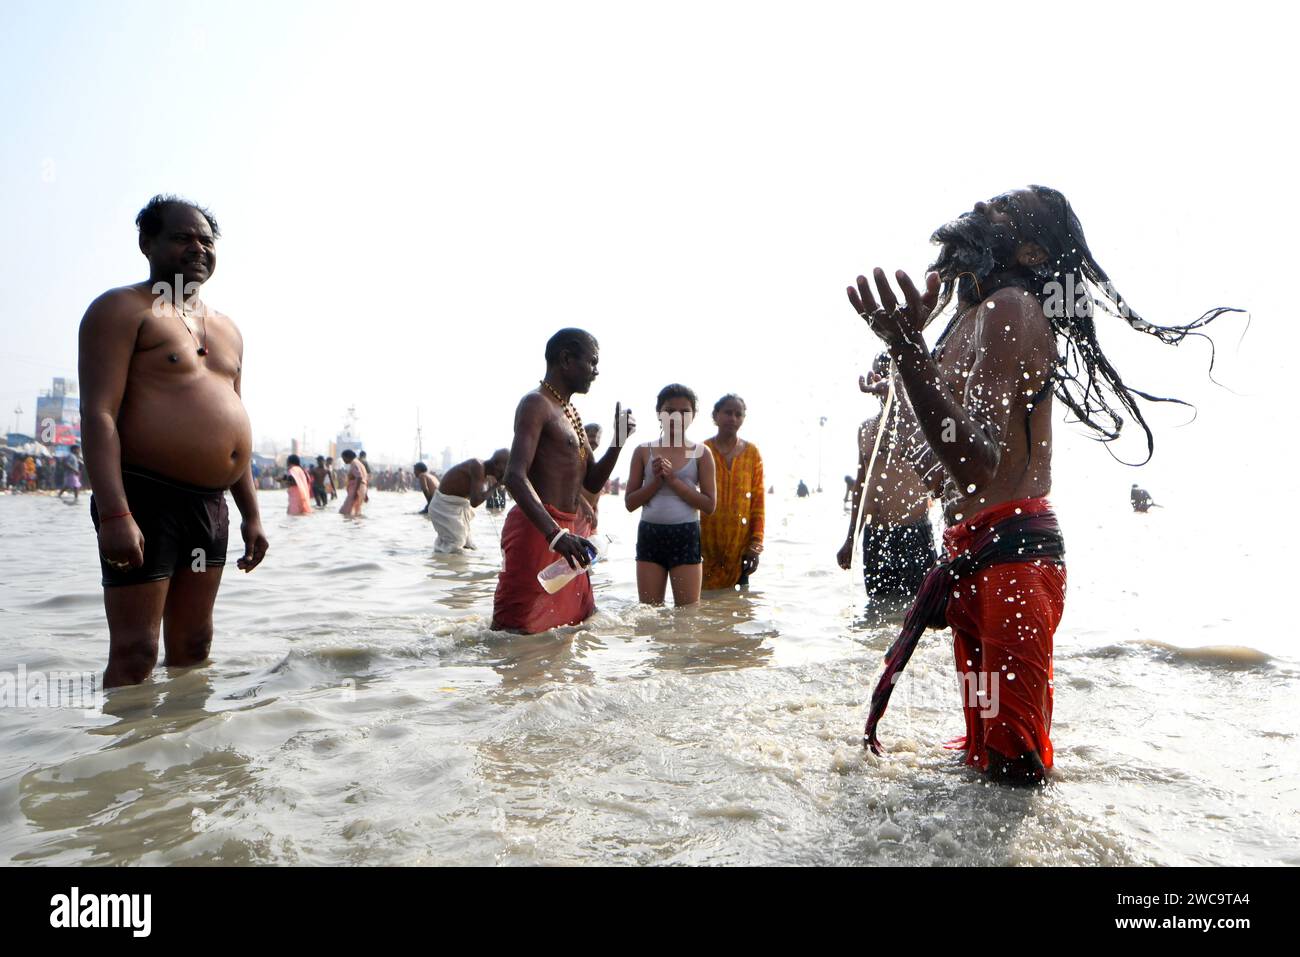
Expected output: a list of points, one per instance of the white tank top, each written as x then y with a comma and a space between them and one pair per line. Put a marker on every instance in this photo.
667, 507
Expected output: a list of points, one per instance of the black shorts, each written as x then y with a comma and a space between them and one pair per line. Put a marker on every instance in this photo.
896, 558
175, 520
669, 545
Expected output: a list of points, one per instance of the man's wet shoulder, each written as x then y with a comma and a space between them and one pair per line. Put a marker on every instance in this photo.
1014, 301
118, 309
1014, 298
534, 402
124, 300
1013, 310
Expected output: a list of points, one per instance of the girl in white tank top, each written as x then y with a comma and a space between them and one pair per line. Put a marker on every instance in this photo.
672, 481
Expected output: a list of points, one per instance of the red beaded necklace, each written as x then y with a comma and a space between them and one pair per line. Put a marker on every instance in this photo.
575, 420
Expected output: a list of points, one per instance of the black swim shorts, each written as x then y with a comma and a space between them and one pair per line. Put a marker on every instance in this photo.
669, 545
896, 558
184, 527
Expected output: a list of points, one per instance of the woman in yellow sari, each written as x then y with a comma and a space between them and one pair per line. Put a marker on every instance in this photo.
732, 537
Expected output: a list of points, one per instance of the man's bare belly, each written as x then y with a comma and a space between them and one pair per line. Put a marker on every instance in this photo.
1016, 478
558, 468
891, 513
557, 483
895, 493
562, 500
902, 500
193, 430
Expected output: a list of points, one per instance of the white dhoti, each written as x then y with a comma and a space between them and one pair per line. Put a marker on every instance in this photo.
451, 516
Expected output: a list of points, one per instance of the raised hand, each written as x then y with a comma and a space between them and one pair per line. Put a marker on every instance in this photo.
624, 424
873, 383
895, 325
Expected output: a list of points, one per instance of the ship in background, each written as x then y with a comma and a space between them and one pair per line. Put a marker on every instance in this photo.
350, 437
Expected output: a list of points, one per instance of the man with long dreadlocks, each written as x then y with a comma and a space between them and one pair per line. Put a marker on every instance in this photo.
980, 410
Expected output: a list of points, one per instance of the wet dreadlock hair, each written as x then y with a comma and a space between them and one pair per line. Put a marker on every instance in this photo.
978, 258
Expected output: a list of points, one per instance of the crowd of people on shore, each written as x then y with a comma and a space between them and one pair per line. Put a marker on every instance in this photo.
27, 472
34, 472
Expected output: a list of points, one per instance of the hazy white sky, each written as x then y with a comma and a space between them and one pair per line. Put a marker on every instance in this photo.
415, 196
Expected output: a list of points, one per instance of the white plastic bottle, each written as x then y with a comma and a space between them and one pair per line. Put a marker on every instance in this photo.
558, 573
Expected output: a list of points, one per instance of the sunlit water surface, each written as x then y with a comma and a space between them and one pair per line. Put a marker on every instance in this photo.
358, 710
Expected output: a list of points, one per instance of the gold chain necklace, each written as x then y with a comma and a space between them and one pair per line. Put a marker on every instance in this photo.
575, 420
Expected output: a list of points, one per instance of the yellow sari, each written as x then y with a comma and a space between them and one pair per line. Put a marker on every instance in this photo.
736, 525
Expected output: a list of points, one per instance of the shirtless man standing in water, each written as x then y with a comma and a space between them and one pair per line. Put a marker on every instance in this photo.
897, 540
165, 435
550, 463
980, 406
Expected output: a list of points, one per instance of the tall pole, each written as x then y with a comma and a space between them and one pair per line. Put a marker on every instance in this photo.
821, 427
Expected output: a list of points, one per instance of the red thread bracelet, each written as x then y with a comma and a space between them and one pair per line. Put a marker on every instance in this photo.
109, 518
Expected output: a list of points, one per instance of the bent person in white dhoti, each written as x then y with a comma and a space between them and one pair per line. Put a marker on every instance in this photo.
463, 489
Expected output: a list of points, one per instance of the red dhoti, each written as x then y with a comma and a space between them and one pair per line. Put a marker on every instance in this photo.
1003, 620
521, 603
